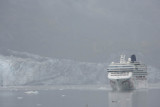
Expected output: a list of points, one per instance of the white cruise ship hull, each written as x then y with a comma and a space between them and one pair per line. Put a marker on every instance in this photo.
127, 81
121, 80
122, 84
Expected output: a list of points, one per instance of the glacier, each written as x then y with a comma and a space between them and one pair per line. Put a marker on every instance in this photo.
22, 69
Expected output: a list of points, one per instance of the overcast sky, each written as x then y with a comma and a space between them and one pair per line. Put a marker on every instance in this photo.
82, 30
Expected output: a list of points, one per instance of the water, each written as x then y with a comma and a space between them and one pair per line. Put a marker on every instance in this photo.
77, 96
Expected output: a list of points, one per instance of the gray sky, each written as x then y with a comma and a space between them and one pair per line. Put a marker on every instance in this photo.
82, 30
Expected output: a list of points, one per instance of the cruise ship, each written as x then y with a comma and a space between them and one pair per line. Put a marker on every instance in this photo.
126, 74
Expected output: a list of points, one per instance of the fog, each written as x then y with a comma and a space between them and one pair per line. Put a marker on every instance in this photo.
81, 30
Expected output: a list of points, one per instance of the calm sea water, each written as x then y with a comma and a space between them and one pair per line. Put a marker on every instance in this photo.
79, 97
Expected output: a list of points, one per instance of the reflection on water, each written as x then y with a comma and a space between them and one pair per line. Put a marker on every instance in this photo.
134, 98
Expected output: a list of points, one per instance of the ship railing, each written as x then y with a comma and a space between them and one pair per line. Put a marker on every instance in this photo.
128, 69
120, 70
119, 74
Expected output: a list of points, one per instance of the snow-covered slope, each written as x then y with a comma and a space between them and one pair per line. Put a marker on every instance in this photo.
20, 68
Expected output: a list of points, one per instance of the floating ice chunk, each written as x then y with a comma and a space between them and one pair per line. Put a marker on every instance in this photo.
102, 88
60, 89
32, 92
19, 98
63, 95
39, 104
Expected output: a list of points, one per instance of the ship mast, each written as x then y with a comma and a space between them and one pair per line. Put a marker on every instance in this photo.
122, 59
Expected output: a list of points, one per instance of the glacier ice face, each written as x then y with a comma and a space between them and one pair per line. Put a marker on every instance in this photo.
20, 68
27, 69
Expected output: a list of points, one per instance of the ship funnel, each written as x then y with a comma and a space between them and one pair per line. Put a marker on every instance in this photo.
133, 58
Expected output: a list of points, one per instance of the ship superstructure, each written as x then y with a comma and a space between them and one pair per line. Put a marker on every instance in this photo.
126, 74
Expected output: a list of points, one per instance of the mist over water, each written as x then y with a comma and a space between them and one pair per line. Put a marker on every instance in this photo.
21, 68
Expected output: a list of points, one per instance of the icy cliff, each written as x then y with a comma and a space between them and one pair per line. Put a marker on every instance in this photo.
19, 68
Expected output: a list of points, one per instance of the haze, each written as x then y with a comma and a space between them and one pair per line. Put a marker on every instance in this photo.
82, 30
